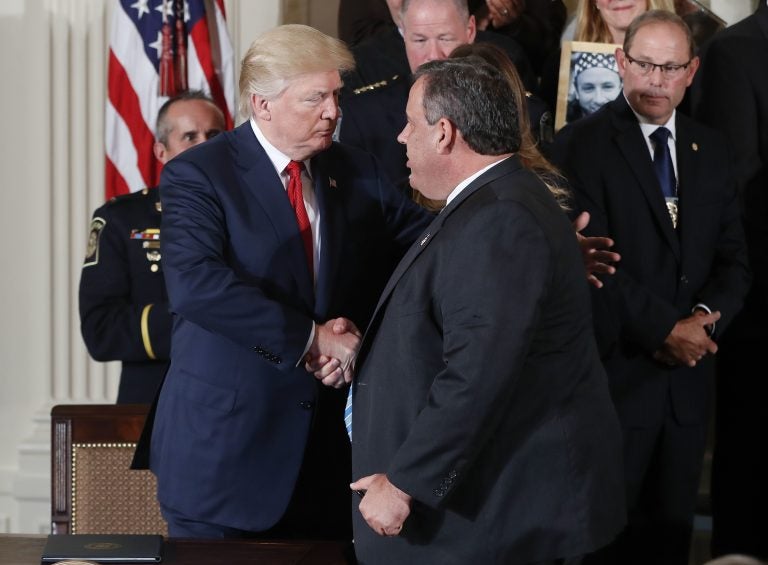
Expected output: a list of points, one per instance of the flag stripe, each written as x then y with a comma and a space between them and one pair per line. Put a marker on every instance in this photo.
133, 100
125, 100
123, 161
199, 35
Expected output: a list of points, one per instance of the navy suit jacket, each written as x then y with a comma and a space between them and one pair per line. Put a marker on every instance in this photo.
480, 391
236, 406
664, 272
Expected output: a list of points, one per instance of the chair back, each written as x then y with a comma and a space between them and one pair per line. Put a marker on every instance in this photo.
94, 491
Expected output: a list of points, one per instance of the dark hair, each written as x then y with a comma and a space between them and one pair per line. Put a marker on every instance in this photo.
163, 128
528, 152
476, 98
658, 17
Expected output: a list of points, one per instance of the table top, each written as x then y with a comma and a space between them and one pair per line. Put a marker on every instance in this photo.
19, 549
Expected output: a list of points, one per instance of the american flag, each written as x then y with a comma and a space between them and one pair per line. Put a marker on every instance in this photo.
157, 49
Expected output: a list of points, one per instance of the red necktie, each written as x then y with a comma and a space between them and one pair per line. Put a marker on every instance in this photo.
296, 197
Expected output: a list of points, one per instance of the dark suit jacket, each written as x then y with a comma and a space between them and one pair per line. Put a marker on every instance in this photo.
235, 409
120, 279
373, 119
663, 272
480, 392
733, 91
383, 57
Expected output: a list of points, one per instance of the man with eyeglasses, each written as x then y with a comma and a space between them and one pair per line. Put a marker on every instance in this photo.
661, 186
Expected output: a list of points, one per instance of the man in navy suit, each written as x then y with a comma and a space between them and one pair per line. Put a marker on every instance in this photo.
661, 186
270, 232
483, 429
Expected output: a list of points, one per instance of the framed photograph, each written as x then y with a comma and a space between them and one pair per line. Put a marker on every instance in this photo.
704, 23
588, 79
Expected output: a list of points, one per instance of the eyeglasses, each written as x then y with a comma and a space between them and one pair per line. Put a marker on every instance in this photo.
644, 68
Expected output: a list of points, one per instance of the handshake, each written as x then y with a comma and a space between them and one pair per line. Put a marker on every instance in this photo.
331, 355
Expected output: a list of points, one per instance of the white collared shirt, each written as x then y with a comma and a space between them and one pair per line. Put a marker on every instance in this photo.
465, 183
648, 128
280, 161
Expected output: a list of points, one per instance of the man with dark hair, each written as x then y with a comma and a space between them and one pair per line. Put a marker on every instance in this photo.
123, 303
482, 427
661, 186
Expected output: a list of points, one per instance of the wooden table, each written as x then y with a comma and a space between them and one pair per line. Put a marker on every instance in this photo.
16, 549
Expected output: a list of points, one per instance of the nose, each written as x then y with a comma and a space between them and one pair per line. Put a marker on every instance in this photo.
602, 96
656, 77
402, 137
433, 52
331, 110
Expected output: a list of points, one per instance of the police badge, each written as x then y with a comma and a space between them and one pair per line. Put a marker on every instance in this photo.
92, 251
672, 209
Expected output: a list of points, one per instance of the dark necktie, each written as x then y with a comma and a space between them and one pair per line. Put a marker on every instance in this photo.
296, 198
662, 162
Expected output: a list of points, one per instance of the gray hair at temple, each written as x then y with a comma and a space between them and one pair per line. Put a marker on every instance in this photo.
658, 17
163, 128
283, 53
461, 7
476, 98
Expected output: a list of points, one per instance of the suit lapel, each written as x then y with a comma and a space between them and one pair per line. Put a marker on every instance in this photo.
434, 227
688, 167
264, 184
630, 141
761, 16
330, 208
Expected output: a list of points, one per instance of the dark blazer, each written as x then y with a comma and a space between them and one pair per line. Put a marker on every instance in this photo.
122, 284
373, 119
236, 406
663, 272
382, 57
480, 392
733, 89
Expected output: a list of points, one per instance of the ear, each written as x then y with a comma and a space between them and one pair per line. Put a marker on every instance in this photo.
471, 29
261, 108
621, 62
160, 152
691, 70
446, 134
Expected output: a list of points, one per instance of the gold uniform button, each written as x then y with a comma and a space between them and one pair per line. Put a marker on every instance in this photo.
154, 267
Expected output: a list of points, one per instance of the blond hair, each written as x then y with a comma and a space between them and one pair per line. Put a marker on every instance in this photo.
283, 53
590, 25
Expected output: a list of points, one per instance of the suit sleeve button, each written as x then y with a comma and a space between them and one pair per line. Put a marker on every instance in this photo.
307, 404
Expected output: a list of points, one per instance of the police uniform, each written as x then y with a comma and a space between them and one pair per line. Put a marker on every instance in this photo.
373, 116
383, 56
123, 302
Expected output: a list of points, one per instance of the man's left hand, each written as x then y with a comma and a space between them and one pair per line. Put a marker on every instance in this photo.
384, 506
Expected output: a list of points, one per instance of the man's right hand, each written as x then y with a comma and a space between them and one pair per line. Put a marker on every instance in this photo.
333, 350
595, 252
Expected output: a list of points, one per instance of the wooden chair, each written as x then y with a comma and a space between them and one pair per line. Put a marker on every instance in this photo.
94, 491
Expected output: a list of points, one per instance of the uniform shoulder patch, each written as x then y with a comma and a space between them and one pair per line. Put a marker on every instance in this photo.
92, 251
375, 85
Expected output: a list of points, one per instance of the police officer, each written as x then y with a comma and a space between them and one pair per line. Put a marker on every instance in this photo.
123, 302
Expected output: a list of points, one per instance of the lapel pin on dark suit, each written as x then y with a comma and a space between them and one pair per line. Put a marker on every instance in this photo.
332, 182
695, 146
